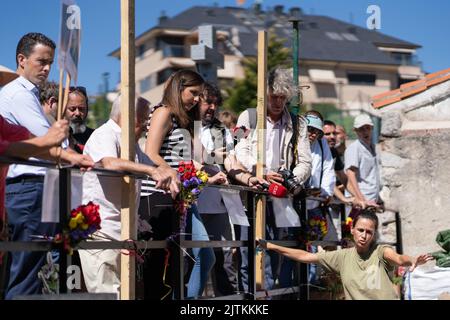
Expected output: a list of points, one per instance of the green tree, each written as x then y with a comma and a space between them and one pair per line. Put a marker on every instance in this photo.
99, 111
243, 94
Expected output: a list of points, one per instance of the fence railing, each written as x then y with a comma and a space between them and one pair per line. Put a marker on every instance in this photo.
176, 244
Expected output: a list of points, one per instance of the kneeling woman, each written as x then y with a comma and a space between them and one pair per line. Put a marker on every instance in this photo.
365, 269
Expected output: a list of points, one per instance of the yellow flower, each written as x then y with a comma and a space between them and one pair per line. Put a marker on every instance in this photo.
73, 223
202, 176
84, 226
79, 218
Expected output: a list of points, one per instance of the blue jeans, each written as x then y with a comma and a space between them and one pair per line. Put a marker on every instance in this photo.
23, 205
204, 257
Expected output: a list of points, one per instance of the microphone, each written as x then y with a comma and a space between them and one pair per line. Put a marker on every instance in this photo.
275, 190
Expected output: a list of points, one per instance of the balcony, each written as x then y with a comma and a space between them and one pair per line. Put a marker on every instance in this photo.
406, 59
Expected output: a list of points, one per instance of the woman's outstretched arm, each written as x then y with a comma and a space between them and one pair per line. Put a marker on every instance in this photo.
294, 254
404, 260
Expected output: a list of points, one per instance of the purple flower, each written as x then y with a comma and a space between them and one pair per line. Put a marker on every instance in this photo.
193, 181
195, 191
186, 183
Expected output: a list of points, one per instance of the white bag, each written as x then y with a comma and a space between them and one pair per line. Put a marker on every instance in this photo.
50, 198
427, 284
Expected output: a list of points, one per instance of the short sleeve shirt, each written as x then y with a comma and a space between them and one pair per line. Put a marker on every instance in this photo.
367, 277
364, 158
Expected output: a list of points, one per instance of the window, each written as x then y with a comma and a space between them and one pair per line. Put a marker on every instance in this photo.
361, 78
334, 36
402, 58
349, 37
170, 50
145, 84
163, 75
141, 50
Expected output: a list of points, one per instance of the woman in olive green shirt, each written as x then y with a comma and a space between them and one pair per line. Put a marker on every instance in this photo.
365, 269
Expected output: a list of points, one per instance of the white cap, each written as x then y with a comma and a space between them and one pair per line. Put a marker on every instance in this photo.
362, 120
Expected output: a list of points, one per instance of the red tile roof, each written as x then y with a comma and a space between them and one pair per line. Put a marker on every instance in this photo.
409, 89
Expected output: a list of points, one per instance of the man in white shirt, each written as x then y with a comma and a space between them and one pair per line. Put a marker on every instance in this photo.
101, 268
20, 105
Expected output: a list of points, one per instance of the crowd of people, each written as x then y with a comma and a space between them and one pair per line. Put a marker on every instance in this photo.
301, 152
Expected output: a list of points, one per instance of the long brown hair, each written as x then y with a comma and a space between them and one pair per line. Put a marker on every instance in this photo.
176, 83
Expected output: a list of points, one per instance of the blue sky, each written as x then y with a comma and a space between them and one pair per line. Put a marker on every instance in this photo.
418, 21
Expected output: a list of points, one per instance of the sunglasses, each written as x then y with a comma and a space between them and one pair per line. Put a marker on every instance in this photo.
315, 131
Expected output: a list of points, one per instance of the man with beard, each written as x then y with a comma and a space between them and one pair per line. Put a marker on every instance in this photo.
76, 113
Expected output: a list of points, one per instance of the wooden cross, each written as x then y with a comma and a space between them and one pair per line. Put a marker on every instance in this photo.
205, 55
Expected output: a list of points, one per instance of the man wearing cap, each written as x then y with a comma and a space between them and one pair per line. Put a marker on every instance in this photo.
322, 178
361, 164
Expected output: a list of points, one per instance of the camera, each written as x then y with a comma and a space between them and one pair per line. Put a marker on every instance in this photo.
290, 182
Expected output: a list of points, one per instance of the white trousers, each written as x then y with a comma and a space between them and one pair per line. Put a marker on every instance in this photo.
101, 270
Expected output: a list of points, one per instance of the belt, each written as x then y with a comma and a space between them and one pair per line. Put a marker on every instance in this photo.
25, 178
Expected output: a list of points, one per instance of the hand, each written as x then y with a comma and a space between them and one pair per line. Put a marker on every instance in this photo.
256, 183
273, 177
349, 200
261, 243
419, 260
166, 178
218, 178
359, 203
372, 203
57, 133
219, 153
83, 161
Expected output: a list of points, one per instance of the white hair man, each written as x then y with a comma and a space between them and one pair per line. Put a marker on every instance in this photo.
287, 148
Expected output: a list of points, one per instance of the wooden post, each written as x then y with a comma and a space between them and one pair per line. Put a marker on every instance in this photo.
62, 100
60, 94
127, 54
261, 109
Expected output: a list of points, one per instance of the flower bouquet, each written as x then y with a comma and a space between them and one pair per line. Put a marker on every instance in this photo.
346, 231
192, 182
84, 221
316, 226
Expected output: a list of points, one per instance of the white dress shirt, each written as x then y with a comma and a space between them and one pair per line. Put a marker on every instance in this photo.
19, 104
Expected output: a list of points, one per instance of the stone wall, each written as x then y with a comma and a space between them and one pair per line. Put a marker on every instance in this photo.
415, 166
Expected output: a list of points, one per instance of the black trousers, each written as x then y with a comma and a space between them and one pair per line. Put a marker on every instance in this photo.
158, 210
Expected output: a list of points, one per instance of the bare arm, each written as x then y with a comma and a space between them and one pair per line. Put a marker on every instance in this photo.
404, 260
160, 126
118, 164
354, 188
338, 194
294, 254
238, 172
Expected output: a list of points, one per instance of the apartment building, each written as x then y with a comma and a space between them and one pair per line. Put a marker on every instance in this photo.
343, 64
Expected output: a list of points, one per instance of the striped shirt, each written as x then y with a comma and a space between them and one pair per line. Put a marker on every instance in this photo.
176, 147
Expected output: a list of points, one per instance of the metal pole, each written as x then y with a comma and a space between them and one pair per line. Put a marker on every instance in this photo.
64, 209
295, 102
303, 276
